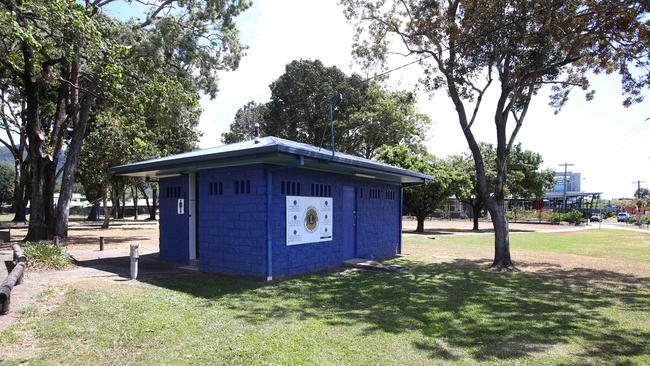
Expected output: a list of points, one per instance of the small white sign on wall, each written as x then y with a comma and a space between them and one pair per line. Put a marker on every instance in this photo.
309, 219
181, 206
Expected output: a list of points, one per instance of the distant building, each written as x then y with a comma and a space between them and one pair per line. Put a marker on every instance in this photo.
569, 185
571, 180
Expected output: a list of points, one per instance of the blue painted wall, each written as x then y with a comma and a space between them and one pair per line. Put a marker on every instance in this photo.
232, 224
174, 228
232, 221
377, 229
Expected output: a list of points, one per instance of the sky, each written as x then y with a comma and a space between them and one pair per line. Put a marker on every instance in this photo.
607, 143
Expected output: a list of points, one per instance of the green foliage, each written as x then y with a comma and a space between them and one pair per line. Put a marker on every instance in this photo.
6, 184
243, 127
45, 255
466, 47
573, 217
367, 117
422, 200
525, 177
642, 192
64, 58
642, 220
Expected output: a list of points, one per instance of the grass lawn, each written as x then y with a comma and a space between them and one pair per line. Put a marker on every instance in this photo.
438, 313
604, 243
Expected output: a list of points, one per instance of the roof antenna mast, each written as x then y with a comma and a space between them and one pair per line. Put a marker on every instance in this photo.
257, 133
330, 117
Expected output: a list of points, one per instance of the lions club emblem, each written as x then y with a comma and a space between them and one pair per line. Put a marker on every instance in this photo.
311, 219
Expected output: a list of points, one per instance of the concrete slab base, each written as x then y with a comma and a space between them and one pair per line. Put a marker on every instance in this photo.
374, 265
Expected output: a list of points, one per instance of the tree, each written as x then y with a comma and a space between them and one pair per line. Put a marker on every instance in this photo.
422, 201
367, 117
13, 125
64, 58
6, 184
521, 45
243, 127
526, 179
386, 118
642, 193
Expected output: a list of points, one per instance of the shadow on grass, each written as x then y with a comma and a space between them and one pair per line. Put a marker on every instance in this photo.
489, 315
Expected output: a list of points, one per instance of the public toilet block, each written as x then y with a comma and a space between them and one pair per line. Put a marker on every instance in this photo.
273, 208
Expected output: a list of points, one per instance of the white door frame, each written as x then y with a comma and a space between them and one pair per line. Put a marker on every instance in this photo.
191, 210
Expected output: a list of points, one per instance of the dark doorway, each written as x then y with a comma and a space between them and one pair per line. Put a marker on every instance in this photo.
196, 215
349, 222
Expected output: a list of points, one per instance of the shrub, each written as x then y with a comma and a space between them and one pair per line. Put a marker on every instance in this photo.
644, 220
573, 217
43, 255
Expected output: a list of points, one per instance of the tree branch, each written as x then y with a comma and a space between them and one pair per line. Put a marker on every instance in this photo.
150, 19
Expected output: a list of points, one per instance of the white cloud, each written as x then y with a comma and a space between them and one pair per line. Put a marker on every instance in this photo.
607, 143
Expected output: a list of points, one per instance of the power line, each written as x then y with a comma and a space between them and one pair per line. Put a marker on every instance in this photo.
397, 68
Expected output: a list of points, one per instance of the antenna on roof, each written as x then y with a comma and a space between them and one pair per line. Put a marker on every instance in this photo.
330, 117
257, 133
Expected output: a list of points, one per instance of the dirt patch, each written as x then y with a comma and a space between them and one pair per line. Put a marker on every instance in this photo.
114, 238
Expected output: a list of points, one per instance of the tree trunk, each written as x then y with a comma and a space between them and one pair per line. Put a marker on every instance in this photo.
38, 229
420, 227
146, 199
93, 215
502, 258
476, 213
115, 200
134, 194
123, 207
154, 206
107, 212
71, 162
19, 204
37, 150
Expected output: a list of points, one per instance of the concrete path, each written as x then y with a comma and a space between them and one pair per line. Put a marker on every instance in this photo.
111, 264
622, 227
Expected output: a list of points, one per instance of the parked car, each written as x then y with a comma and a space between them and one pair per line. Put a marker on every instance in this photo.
622, 216
595, 218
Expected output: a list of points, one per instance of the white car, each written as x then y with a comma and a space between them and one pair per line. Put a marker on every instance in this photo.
622, 216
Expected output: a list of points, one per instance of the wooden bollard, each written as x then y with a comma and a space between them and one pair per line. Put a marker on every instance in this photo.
56, 240
101, 243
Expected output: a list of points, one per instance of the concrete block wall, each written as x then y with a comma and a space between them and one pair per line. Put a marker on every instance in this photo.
377, 229
378, 220
174, 228
232, 227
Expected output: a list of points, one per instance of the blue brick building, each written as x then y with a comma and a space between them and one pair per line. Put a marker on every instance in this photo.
250, 208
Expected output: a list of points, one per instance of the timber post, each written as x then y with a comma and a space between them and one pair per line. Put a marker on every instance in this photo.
14, 278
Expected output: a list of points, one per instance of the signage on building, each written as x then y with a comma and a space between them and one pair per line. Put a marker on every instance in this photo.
180, 206
309, 219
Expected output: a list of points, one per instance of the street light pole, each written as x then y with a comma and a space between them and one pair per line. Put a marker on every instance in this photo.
565, 182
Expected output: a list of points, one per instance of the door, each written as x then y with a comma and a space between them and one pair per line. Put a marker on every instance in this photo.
192, 211
349, 222
196, 216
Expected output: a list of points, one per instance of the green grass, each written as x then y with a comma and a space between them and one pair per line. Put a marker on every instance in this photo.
605, 243
452, 313
45, 255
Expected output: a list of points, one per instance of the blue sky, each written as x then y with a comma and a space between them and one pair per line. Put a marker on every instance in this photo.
609, 144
